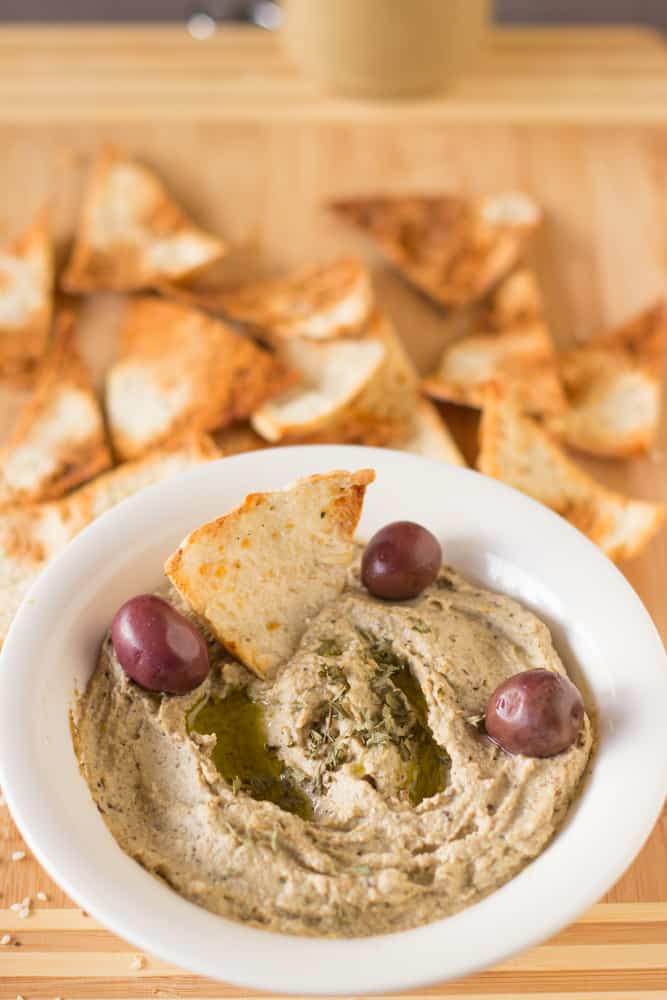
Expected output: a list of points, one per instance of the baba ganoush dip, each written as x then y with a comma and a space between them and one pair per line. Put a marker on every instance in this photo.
354, 793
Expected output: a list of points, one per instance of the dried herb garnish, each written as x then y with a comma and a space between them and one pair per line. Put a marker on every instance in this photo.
329, 647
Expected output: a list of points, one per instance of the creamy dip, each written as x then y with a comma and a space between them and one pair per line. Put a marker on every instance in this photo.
353, 794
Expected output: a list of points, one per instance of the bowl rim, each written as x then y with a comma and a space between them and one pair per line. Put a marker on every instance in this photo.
398, 960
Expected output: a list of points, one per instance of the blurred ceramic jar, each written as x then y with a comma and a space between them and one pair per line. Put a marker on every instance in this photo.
384, 48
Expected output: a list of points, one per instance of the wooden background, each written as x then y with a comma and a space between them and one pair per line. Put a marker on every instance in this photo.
578, 119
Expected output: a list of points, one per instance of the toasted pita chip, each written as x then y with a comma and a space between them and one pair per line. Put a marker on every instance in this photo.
26, 297
257, 575
180, 369
238, 438
59, 440
454, 249
514, 448
15, 391
330, 300
31, 536
131, 234
430, 436
514, 352
613, 385
359, 390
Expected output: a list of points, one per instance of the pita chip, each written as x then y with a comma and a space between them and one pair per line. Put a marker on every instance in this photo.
513, 351
452, 248
318, 303
430, 437
360, 390
132, 235
15, 392
515, 449
26, 297
31, 536
232, 571
238, 438
180, 369
613, 386
59, 440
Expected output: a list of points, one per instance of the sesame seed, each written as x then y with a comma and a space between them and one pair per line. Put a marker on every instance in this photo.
19, 996
16, 907
137, 962
18, 855
6, 939
24, 913
26, 901
41, 896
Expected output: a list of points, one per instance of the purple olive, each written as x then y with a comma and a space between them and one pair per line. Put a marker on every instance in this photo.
157, 647
400, 561
536, 713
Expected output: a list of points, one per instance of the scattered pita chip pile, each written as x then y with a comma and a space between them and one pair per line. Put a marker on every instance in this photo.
454, 249
514, 351
430, 436
232, 571
132, 235
515, 449
59, 440
179, 369
613, 384
32, 535
319, 303
360, 389
26, 297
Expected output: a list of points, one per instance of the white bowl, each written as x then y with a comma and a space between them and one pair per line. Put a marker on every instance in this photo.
491, 533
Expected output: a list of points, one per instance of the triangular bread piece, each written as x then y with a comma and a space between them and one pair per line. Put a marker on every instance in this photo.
430, 437
257, 575
514, 351
59, 440
26, 296
31, 536
131, 233
454, 249
360, 390
319, 303
613, 385
514, 448
180, 369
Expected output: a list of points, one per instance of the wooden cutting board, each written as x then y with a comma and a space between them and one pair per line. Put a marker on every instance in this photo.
577, 118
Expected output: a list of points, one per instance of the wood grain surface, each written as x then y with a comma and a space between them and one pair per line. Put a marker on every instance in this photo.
577, 119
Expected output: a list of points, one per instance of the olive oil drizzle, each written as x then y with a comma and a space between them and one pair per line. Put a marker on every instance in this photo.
428, 770
241, 754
